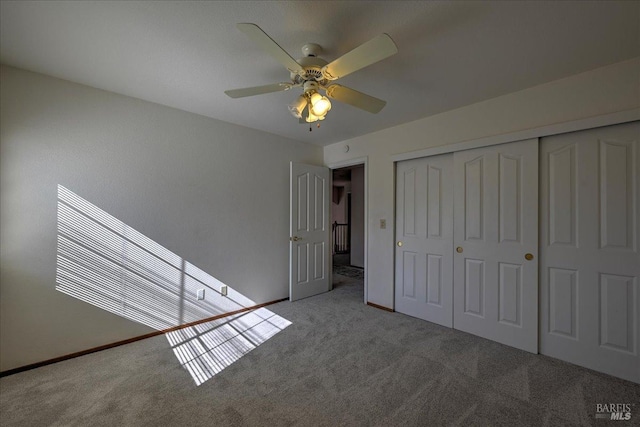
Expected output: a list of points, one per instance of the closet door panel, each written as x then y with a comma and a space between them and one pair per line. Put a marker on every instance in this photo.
424, 235
589, 258
495, 240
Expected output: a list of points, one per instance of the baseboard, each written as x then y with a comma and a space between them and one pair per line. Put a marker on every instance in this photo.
381, 307
134, 339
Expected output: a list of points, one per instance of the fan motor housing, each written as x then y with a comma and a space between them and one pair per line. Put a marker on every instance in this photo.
313, 69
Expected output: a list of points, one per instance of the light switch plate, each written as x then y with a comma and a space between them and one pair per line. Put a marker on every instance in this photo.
383, 223
200, 294
223, 290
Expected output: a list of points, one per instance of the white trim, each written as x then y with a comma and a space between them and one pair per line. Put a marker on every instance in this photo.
353, 162
555, 129
348, 162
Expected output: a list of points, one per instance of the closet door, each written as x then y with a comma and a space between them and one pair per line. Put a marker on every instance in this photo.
424, 234
590, 260
496, 241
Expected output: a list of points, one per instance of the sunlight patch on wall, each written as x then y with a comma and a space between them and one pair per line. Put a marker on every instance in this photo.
106, 263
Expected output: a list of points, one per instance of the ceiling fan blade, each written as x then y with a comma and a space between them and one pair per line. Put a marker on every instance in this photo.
261, 38
257, 90
355, 98
376, 49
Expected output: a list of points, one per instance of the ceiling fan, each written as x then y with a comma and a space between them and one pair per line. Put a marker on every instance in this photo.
314, 74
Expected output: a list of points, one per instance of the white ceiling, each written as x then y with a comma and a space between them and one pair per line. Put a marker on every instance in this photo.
185, 54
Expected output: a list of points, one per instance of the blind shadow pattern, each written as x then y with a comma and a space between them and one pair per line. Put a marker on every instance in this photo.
106, 263
206, 349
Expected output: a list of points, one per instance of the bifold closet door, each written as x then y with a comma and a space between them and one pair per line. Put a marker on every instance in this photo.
496, 243
424, 234
589, 256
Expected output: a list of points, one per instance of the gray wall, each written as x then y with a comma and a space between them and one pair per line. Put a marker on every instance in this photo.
339, 210
214, 193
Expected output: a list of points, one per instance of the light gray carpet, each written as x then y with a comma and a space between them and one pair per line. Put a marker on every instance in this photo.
340, 363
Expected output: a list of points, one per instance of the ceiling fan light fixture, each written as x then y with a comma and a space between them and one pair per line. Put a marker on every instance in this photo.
311, 118
296, 108
319, 105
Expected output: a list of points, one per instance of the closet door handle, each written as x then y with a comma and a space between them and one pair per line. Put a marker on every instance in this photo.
459, 249
528, 257
399, 243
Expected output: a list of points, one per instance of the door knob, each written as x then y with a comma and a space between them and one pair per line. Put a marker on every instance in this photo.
459, 249
528, 257
295, 238
399, 243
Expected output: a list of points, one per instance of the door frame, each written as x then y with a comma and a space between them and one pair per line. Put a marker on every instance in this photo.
343, 164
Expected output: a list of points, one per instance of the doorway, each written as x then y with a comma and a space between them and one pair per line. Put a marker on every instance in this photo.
348, 231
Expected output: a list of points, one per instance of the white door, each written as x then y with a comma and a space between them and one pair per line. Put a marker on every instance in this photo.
496, 242
424, 234
589, 257
309, 272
